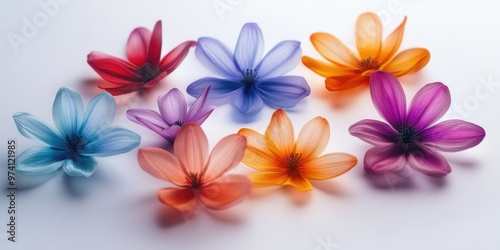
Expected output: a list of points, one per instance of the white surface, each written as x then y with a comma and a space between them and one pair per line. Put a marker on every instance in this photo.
117, 207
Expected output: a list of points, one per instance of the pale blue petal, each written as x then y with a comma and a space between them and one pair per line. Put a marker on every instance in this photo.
247, 102
112, 141
250, 46
67, 111
40, 160
220, 89
100, 113
282, 58
81, 166
217, 57
283, 92
33, 128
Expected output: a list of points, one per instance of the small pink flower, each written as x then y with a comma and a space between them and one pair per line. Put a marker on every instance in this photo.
410, 138
200, 177
144, 69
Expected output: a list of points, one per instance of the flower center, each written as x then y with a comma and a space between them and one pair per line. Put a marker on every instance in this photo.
178, 123
195, 180
368, 64
74, 143
407, 138
293, 161
147, 72
249, 77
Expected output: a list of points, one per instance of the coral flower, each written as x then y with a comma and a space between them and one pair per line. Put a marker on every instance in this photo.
81, 136
144, 69
410, 138
250, 80
345, 69
200, 178
173, 114
283, 161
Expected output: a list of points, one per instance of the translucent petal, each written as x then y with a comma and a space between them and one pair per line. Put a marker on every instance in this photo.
453, 135
407, 61
429, 104
383, 159
249, 47
313, 138
68, 111
226, 191
388, 97
200, 110
284, 91
216, 56
163, 165
113, 69
391, 44
247, 102
183, 199
220, 89
328, 166
33, 128
172, 106
80, 166
154, 49
100, 113
282, 58
40, 160
429, 162
332, 49
175, 57
137, 46
225, 156
257, 154
373, 132
112, 141
191, 148
280, 135
369, 35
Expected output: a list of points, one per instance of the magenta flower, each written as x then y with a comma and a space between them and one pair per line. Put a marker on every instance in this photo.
410, 138
173, 113
144, 68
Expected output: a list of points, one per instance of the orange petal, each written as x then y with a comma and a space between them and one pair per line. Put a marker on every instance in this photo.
270, 178
369, 35
313, 138
325, 69
328, 166
191, 147
391, 43
300, 183
225, 192
408, 61
334, 50
161, 164
180, 199
257, 154
336, 83
225, 156
280, 136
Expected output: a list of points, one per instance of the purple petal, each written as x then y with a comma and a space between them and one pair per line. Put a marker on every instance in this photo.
220, 89
147, 118
374, 132
172, 106
170, 133
250, 46
429, 162
388, 97
284, 91
383, 159
217, 57
247, 101
282, 58
453, 135
429, 104
199, 110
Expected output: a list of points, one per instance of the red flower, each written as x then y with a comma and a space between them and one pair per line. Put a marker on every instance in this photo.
144, 69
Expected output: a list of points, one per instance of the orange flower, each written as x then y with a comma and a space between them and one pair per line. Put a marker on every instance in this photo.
200, 177
347, 70
283, 161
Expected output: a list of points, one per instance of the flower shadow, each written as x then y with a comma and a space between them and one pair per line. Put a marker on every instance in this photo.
168, 217
79, 186
234, 215
391, 181
342, 98
27, 182
330, 187
238, 117
296, 196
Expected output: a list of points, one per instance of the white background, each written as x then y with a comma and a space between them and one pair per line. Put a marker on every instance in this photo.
117, 207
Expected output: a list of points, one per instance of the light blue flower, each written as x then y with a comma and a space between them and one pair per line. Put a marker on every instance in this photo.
79, 136
250, 80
